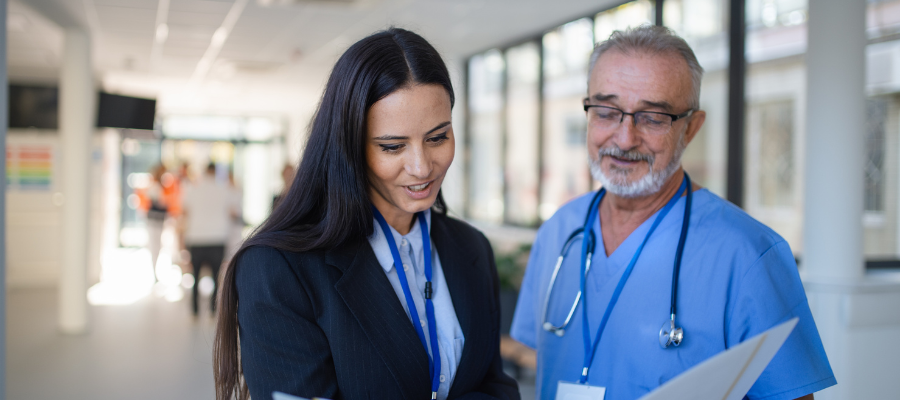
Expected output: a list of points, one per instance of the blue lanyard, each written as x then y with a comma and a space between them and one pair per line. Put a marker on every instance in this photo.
591, 349
434, 362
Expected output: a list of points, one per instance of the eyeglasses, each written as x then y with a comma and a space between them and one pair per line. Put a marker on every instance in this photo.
649, 122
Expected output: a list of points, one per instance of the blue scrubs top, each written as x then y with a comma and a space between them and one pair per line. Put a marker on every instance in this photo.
738, 278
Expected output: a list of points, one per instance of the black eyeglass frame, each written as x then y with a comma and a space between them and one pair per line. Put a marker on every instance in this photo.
675, 117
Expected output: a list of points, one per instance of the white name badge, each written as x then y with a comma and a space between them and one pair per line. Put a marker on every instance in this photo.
577, 391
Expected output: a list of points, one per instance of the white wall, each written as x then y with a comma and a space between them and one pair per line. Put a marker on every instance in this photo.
34, 217
33, 221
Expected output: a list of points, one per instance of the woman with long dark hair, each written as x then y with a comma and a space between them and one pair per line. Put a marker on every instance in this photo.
359, 285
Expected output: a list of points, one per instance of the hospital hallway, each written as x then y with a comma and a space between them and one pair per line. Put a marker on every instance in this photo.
144, 138
150, 349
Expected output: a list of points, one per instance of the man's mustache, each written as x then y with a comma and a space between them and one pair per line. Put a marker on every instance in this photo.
630, 155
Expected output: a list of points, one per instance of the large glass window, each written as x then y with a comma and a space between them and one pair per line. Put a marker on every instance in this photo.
876, 118
627, 15
486, 73
882, 135
772, 150
565, 171
704, 25
775, 115
523, 133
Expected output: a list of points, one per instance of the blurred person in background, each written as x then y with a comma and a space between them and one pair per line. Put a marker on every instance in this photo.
287, 176
184, 173
182, 179
208, 212
155, 205
359, 285
171, 186
730, 276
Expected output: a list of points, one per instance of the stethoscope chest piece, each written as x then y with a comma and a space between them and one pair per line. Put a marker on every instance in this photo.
670, 335
556, 330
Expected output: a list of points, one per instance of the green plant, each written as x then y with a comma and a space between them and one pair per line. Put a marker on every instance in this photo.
511, 266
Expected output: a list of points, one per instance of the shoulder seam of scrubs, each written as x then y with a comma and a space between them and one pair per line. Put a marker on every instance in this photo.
751, 266
740, 286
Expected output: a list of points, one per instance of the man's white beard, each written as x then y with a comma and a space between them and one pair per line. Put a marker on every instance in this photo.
649, 184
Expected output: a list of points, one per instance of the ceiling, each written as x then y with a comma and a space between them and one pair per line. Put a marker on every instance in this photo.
254, 56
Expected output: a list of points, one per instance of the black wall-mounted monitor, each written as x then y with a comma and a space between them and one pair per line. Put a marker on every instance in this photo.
115, 111
33, 107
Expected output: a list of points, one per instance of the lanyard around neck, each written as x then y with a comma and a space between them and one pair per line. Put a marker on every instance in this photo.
434, 362
589, 348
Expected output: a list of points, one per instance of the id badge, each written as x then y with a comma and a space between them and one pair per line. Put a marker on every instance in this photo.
577, 391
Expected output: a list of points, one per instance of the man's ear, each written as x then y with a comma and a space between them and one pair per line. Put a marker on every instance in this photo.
694, 125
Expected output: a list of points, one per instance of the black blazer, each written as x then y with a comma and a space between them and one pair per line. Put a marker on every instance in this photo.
329, 324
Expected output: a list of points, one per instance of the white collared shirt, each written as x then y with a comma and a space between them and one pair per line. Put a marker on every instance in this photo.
412, 253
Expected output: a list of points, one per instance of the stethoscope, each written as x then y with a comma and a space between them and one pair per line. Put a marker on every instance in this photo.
669, 334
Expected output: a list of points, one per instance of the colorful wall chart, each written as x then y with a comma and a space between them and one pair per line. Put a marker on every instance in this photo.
29, 167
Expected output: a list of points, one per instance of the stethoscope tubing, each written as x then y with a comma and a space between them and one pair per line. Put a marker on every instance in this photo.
589, 249
679, 252
561, 330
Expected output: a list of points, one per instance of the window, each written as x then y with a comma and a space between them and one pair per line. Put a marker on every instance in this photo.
522, 169
876, 117
704, 24
776, 178
486, 72
565, 171
627, 15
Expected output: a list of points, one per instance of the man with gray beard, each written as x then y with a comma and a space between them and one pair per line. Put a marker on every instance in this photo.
632, 285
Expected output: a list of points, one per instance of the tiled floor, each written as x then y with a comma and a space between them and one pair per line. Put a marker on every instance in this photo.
152, 349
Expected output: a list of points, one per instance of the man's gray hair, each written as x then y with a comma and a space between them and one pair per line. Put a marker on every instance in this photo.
653, 40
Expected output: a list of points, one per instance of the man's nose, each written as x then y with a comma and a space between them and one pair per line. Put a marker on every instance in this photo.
626, 136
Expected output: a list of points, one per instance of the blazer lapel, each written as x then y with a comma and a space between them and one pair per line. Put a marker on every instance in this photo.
470, 291
371, 299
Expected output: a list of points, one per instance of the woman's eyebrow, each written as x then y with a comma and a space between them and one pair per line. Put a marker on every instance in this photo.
441, 125
396, 137
391, 137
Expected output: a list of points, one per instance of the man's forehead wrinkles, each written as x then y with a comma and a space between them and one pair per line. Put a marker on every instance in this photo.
641, 80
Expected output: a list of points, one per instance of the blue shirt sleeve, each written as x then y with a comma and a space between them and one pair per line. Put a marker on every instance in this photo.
769, 293
524, 325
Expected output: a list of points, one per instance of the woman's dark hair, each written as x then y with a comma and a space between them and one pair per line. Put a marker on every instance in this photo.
328, 202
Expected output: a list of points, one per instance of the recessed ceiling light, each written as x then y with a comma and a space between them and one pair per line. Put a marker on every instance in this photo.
162, 33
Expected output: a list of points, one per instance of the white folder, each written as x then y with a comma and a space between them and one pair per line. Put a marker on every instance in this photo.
730, 374
285, 396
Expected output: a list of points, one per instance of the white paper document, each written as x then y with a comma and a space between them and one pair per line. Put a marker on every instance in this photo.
285, 396
730, 374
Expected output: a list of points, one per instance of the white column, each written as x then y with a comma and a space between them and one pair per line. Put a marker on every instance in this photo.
854, 311
836, 128
76, 123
